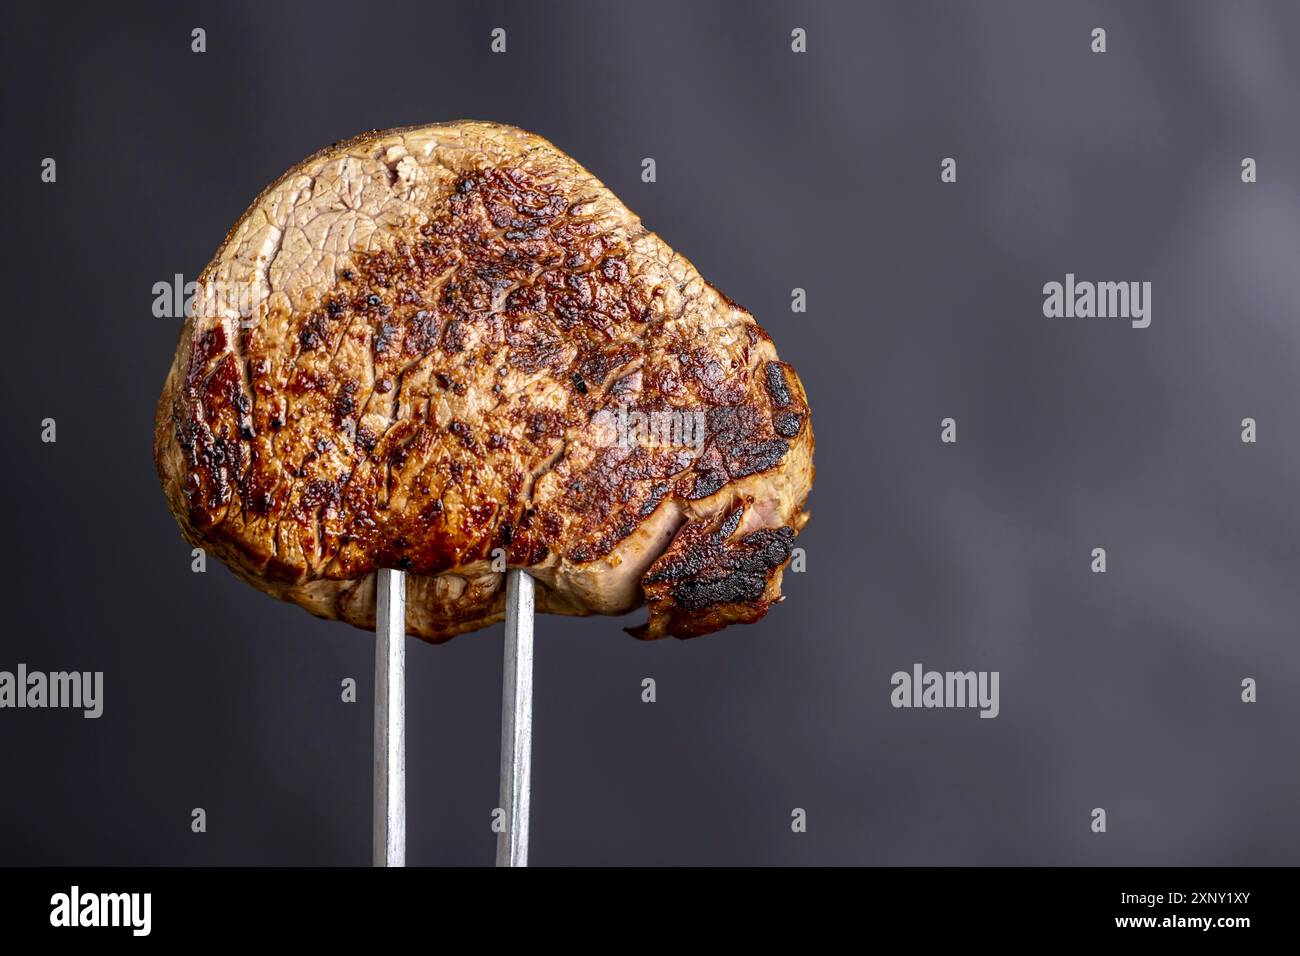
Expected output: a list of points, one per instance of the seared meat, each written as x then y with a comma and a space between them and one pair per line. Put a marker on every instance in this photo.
449, 349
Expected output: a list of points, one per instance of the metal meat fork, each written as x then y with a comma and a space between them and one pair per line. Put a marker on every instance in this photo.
390, 720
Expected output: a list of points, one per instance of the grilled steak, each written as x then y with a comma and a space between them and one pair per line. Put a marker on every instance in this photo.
449, 349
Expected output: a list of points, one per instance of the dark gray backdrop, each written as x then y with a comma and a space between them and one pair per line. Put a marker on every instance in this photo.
775, 170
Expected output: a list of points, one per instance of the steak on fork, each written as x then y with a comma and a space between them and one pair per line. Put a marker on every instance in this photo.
449, 349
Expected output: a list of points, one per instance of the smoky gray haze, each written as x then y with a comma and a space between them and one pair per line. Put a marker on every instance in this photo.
775, 170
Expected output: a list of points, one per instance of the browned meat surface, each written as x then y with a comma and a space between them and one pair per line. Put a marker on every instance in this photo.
433, 347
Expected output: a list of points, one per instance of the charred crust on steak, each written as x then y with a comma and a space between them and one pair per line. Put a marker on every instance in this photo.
710, 576
743, 576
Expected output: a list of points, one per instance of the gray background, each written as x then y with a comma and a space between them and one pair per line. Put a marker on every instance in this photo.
775, 170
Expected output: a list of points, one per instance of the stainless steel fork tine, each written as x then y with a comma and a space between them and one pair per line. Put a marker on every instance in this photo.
389, 846
516, 720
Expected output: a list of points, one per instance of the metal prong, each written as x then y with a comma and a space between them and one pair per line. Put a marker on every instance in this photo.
516, 720
389, 848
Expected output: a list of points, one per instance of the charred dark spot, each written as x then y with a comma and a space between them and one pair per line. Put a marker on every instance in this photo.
313, 332
760, 457
615, 270
539, 425
373, 300
384, 337
318, 492
421, 333
787, 424
578, 383
656, 496
738, 574
345, 403
774, 378
456, 337
707, 483
596, 366
398, 454
507, 533
464, 433
735, 449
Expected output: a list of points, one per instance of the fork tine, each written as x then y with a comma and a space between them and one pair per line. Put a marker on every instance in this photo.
389, 846
516, 720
